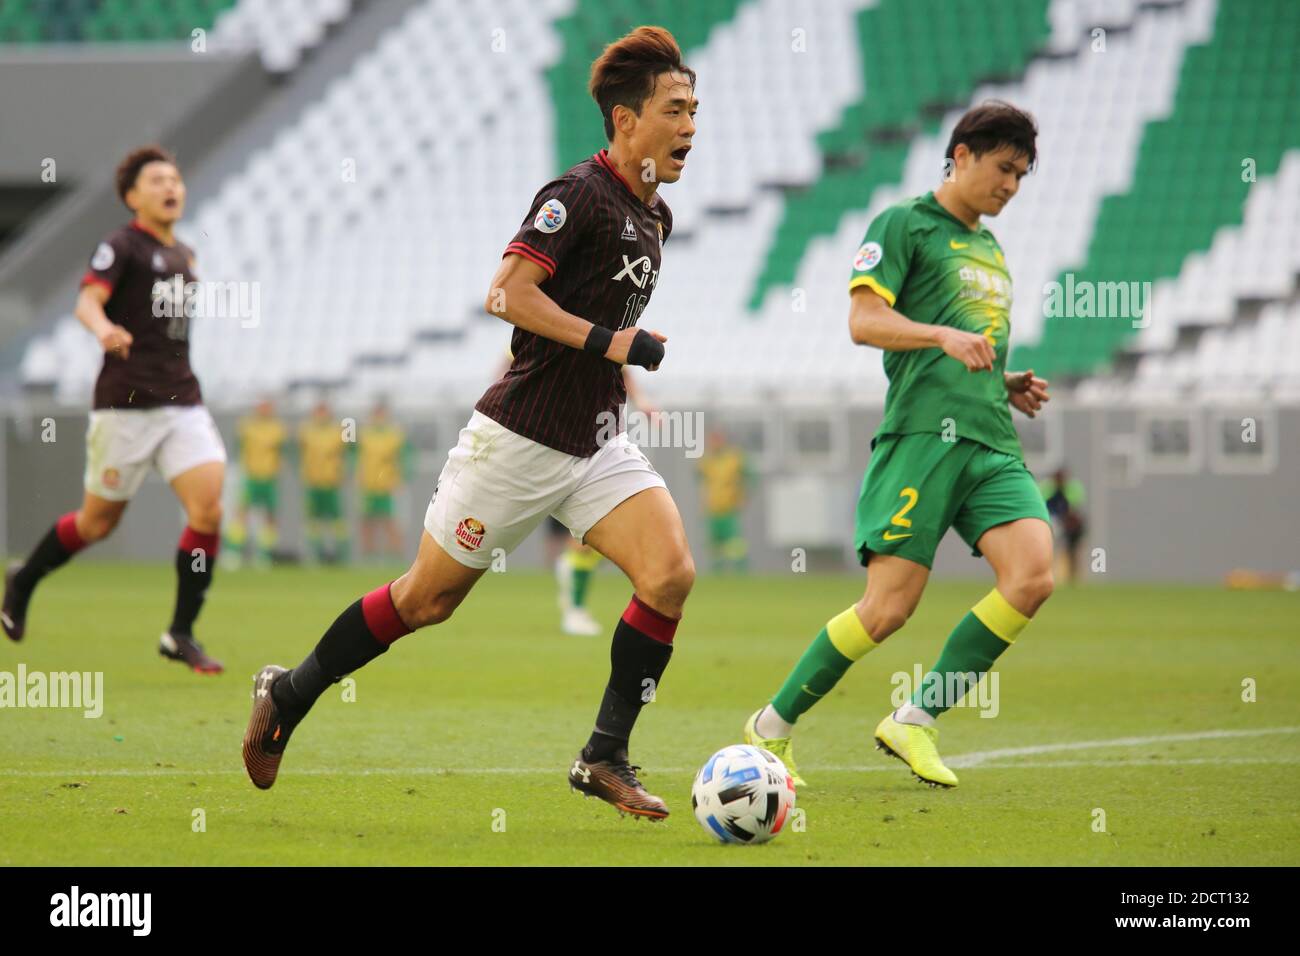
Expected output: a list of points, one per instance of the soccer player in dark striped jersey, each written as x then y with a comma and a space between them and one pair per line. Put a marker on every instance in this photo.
546, 438
148, 411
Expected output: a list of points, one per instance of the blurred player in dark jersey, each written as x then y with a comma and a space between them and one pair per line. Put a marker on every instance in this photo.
547, 437
148, 411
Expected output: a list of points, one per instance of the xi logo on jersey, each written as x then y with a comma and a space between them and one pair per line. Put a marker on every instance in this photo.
639, 271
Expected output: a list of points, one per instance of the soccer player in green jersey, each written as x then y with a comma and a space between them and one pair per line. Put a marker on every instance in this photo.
930, 287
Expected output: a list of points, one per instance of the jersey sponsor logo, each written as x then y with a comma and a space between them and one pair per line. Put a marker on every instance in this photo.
469, 534
629, 230
954, 244
159, 263
111, 477
868, 257
103, 257
639, 270
551, 216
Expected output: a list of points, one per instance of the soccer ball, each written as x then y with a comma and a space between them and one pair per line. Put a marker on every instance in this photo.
743, 795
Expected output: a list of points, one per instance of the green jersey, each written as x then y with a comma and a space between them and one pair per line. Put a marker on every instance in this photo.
932, 268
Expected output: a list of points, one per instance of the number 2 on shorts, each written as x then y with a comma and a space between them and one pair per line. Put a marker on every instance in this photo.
899, 519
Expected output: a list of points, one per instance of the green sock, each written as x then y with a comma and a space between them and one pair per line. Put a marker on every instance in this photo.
841, 642
581, 579
987, 630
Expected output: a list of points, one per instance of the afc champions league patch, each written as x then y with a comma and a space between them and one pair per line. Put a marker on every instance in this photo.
551, 216
103, 257
868, 257
469, 534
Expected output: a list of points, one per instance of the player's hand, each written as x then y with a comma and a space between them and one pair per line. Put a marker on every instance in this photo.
1026, 392
622, 342
116, 340
969, 348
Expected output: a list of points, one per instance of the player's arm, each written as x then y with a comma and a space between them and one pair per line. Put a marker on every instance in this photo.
873, 321
516, 296
89, 311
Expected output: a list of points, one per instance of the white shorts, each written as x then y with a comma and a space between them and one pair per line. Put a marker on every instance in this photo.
123, 444
497, 486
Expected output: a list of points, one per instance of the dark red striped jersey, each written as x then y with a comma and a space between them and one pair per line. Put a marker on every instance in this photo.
141, 274
600, 246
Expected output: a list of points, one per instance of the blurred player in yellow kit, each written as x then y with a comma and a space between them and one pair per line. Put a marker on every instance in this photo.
321, 449
384, 463
726, 475
261, 443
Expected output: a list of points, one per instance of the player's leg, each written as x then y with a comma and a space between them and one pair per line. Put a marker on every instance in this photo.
479, 507
394, 536
580, 563
199, 491
622, 508
119, 446
902, 513
735, 551
192, 459
431, 589
93, 521
894, 588
340, 538
718, 543
268, 535
235, 531
1002, 516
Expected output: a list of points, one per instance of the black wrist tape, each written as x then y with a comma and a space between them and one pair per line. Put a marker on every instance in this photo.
646, 350
598, 340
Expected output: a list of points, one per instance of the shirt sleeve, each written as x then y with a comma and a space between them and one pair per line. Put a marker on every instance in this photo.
554, 222
882, 261
107, 263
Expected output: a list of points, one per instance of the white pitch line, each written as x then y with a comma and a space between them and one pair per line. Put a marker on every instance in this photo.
973, 759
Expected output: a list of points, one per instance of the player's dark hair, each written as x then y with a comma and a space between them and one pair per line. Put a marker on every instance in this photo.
625, 73
992, 125
128, 170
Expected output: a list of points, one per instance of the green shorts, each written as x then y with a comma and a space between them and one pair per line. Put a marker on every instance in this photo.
724, 527
918, 486
260, 492
323, 503
377, 504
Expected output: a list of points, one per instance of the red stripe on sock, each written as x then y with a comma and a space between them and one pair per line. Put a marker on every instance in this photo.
650, 622
66, 529
191, 539
381, 615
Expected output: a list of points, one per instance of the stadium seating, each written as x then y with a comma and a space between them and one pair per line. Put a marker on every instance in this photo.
280, 30
373, 224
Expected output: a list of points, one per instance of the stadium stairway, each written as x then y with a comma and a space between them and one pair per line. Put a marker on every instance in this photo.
1190, 178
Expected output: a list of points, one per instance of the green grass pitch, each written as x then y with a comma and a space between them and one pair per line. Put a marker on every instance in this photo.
1125, 701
